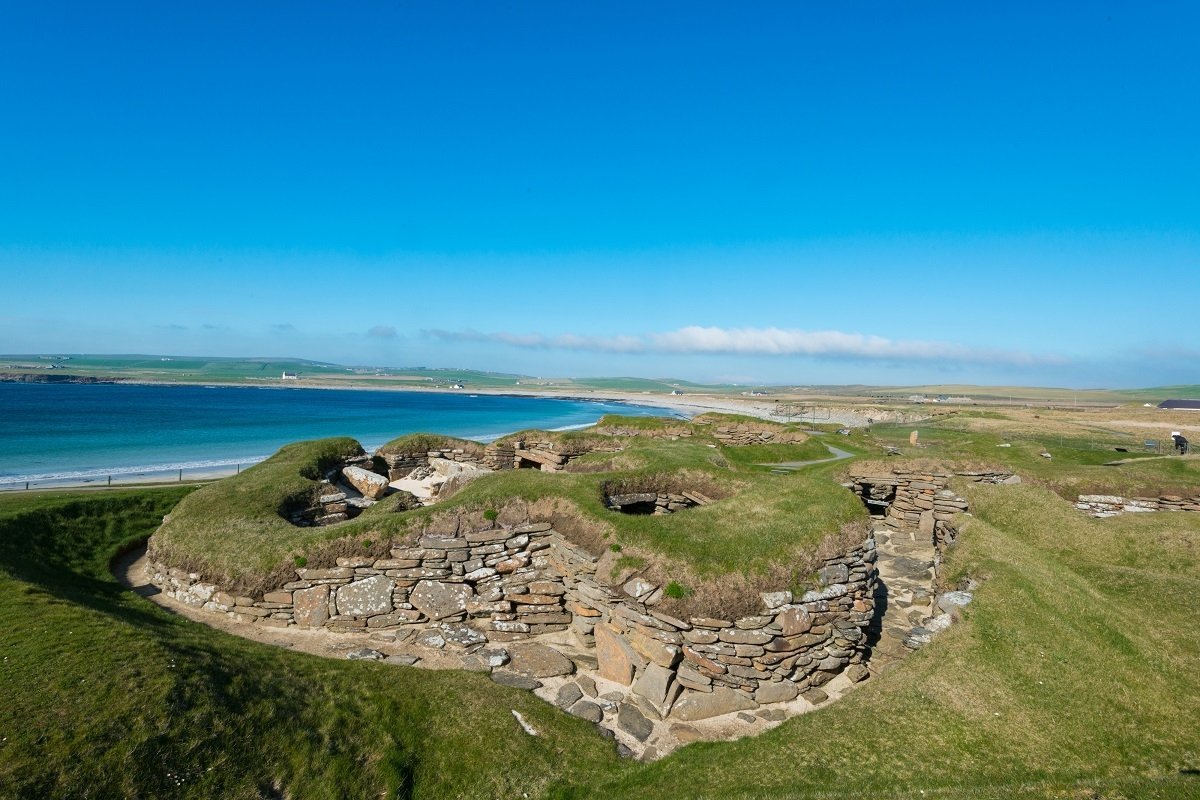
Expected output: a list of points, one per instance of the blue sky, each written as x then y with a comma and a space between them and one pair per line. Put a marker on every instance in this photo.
795, 193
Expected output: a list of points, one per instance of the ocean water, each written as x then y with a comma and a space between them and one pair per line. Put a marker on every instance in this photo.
84, 432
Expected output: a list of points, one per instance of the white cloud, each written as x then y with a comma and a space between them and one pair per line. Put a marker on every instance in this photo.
536, 341
759, 341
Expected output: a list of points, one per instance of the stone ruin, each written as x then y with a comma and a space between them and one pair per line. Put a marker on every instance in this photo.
477, 587
490, 590
655, 495
1107, 505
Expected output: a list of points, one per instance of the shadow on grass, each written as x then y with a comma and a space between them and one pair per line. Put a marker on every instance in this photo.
142, 703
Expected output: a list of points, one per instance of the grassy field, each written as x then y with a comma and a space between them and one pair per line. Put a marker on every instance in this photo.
188, 369
1073, 675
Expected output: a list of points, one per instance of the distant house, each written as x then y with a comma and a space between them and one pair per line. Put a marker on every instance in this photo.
1180, 405
676, 391
291, 376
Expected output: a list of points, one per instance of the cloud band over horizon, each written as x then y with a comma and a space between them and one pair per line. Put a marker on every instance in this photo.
773, 341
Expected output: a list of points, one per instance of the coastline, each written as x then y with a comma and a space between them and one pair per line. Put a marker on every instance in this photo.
199, 471
689, 404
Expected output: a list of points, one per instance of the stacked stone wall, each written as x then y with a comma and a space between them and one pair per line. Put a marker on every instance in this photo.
1106, 505
401, 464
499, 583
704, 666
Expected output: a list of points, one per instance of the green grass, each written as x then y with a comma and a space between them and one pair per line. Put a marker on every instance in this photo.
106, 695
1071, 676
757, 454
1078, 466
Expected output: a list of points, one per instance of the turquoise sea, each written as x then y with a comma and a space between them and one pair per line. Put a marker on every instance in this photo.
82, 433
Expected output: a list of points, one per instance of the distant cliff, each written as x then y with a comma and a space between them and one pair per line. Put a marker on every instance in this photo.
53, 377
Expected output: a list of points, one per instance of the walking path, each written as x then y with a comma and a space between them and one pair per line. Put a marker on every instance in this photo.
789, 466
905, 595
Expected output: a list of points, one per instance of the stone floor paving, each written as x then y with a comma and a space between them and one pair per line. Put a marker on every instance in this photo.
905, 595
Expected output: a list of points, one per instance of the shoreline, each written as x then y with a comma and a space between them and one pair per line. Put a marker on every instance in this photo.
126, 477
682, 403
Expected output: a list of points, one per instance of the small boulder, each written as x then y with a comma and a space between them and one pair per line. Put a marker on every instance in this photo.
634, 722
539, 661
694, 706
371, 485
587, 710
567, 695
365, 654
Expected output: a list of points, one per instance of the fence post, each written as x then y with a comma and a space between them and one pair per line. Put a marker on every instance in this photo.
181, 476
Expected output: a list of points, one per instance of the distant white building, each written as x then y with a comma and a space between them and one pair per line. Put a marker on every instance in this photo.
290, 376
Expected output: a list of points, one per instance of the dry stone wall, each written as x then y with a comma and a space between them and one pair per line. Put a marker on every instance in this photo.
465, 587
1107, 505
704, 667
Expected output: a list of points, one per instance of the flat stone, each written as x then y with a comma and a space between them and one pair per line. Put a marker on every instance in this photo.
831, 592
493, 656
654, 684
857, 672
709, 622
567, 695
616, 658
638, 588
834, 573
772, 715
815, 696
653, 650
738, 636
634, 722
310, 607
505, 678
694, 706
439, 599
588, 710
365, 654
366, 598
333, 573
954, 601
461, 635
773, 600
539, 661
778, 692
587, 685
686, 734
431, 638
371, 485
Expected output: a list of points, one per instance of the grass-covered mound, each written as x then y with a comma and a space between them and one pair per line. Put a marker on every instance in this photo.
762, 530
425, 442
1072, 675
238, 527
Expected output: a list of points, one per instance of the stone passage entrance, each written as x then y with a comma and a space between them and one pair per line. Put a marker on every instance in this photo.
912, 513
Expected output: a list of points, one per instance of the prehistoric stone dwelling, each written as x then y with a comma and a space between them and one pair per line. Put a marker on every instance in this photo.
479, 582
